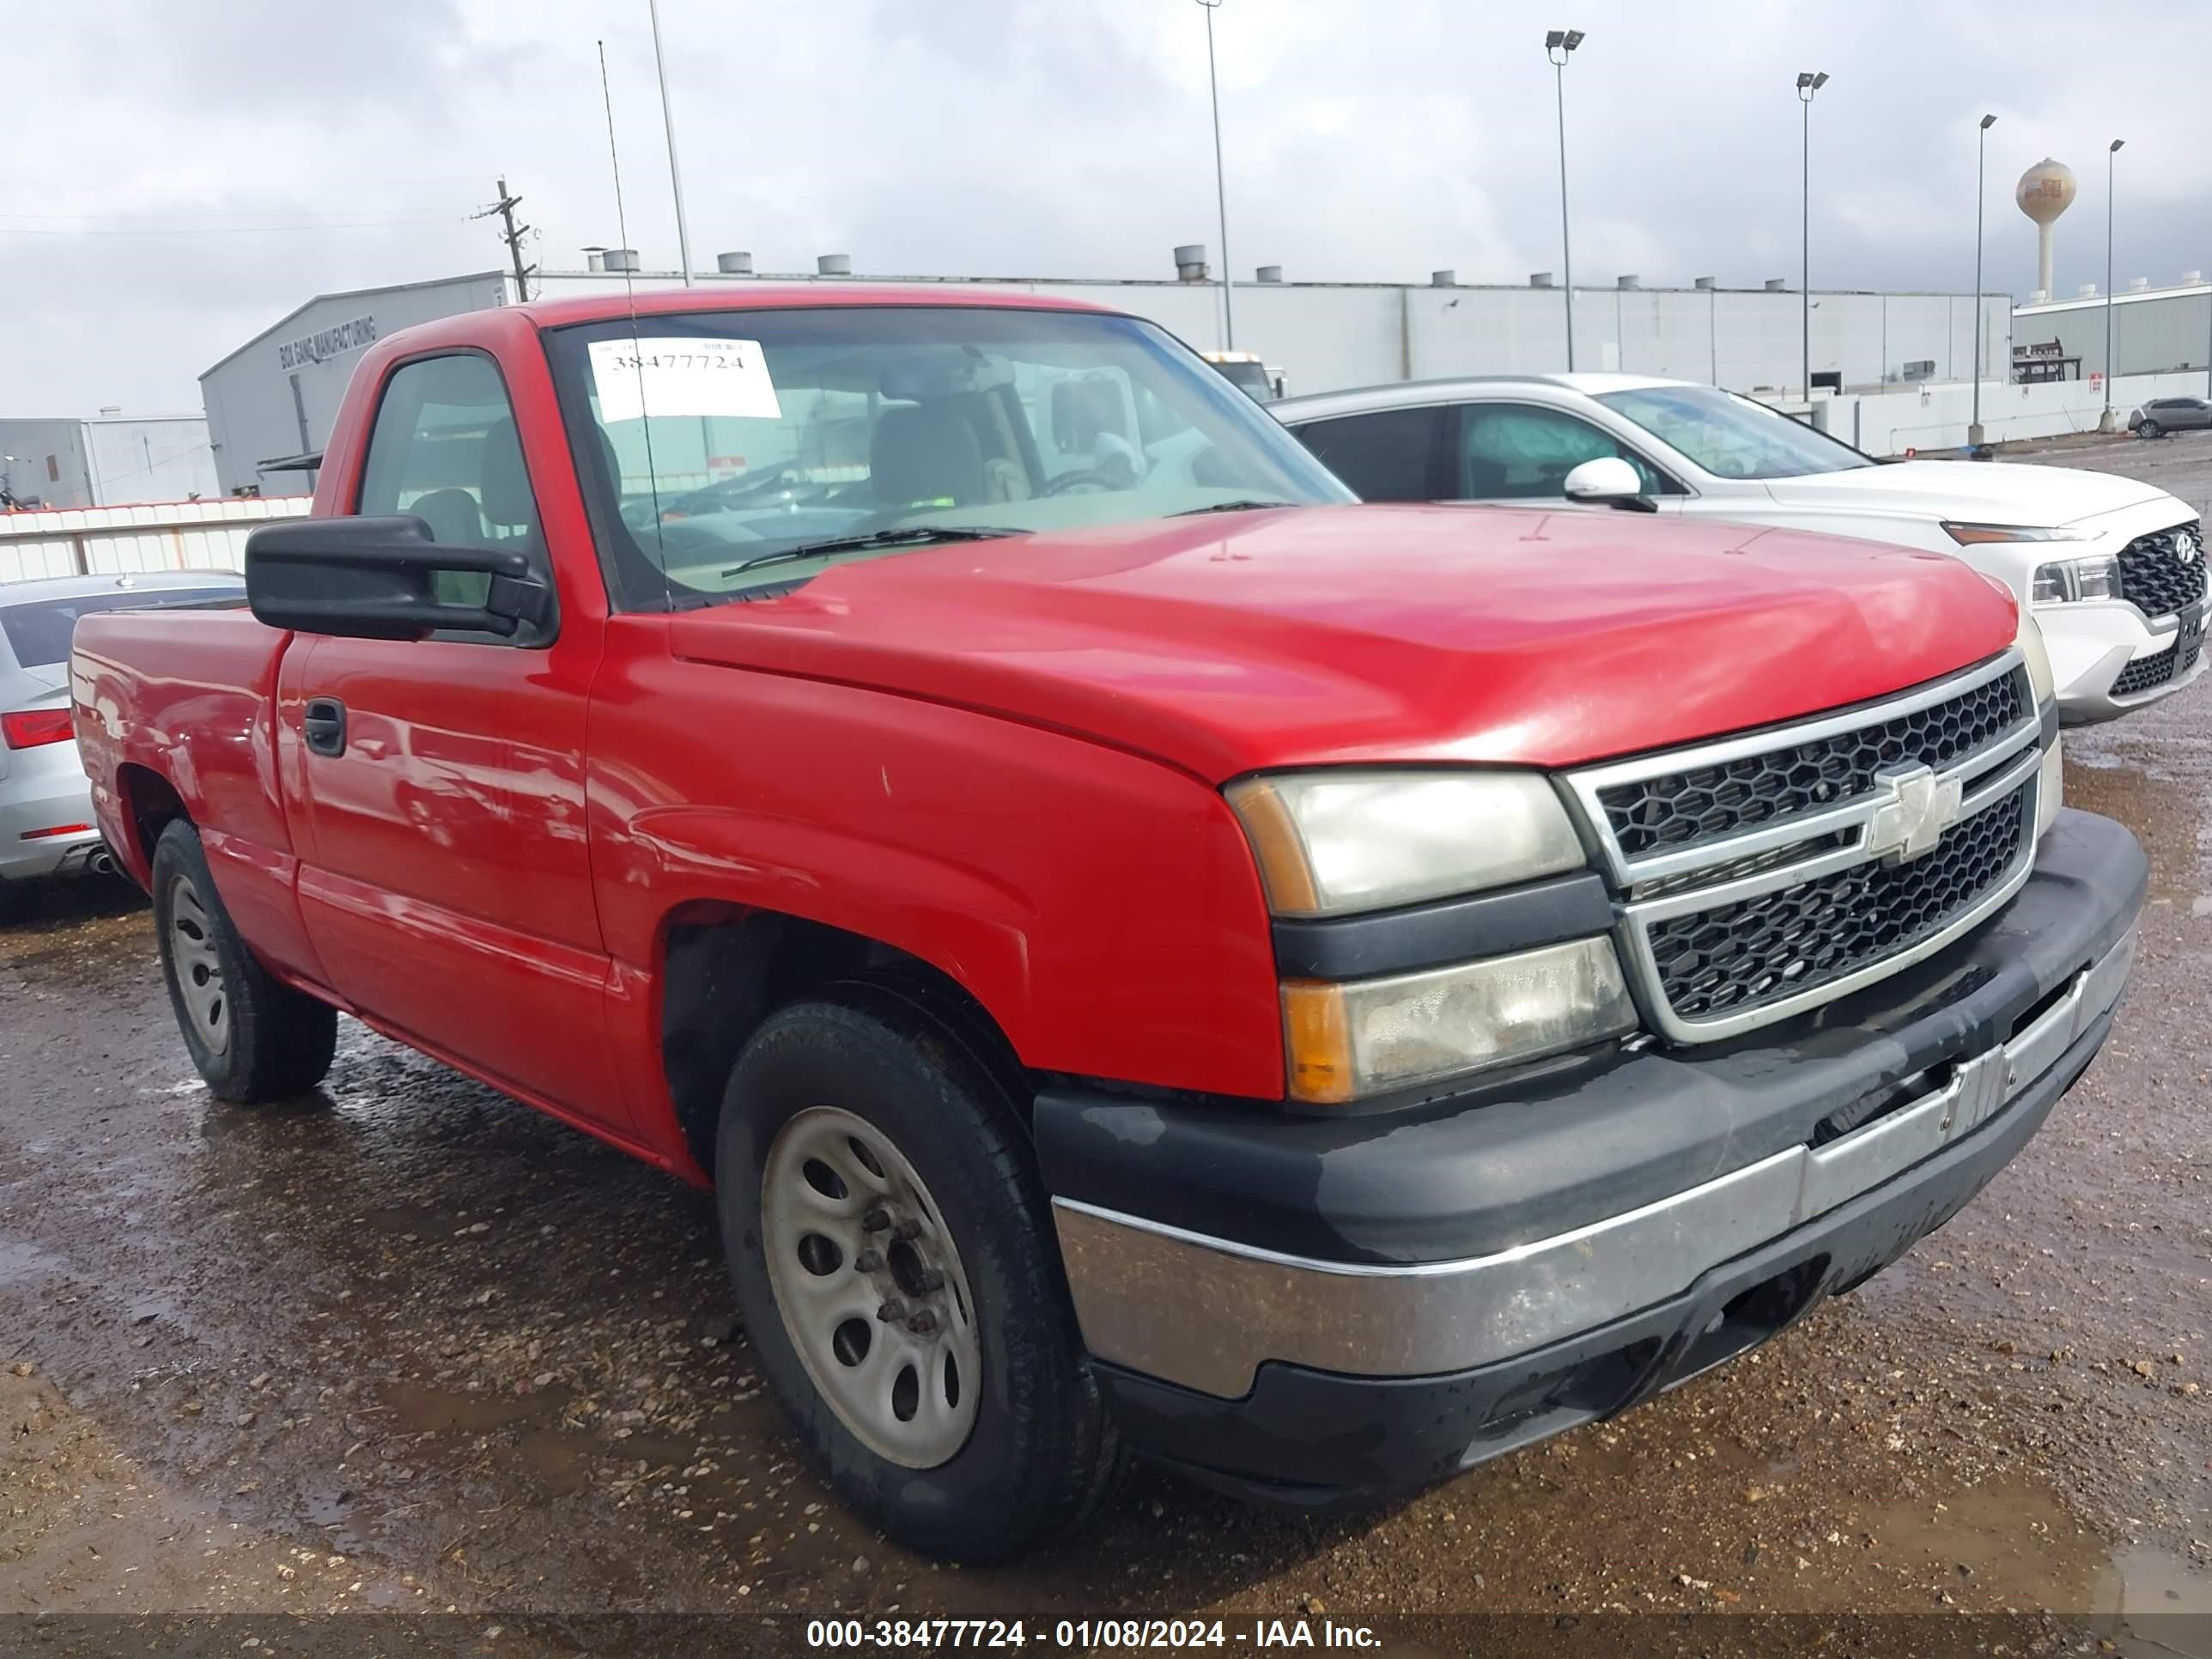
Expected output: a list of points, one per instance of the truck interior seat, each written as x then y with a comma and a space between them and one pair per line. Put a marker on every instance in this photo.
920, 454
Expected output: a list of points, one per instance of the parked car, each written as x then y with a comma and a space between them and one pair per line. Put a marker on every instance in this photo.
1152, 957
2113, 568
1248, 373
47, 825
2163, 414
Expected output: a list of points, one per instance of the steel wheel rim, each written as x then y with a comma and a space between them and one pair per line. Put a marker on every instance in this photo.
198, 966
871, 1287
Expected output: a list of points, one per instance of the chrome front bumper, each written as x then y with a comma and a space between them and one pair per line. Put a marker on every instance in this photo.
1205, 1313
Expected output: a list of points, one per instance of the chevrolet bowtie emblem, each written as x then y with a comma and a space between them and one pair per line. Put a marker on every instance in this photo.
1911, 811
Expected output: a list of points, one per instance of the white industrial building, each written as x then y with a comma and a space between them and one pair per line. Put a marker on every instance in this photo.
269, 404
2155, 330
110, 460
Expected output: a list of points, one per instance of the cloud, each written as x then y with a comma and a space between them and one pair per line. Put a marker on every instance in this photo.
260, 151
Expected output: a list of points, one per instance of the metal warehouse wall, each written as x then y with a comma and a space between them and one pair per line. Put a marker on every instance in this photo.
49, 465
163, 460
2152, 332
276, 395
267, 399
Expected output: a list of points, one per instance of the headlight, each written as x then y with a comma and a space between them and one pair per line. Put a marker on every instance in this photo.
1345, 1041
1969, 535
2040, 679
2050, 785
1328, 842
2070, 579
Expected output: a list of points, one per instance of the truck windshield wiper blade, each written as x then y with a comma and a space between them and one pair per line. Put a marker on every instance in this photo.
920, 535
1230, 506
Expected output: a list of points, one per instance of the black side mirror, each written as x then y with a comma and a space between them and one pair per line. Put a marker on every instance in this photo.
371, 579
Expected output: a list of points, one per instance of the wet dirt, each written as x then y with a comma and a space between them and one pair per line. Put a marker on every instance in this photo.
485, 1362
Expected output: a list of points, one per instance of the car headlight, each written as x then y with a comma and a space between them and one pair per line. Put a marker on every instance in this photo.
2052, 784
1971, 535
2067, 580
1331, 842
1346, 1041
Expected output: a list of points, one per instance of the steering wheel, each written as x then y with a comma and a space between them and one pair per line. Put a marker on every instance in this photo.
1087, 480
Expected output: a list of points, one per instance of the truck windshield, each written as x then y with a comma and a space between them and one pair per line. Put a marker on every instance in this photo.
721, 448
1733, 437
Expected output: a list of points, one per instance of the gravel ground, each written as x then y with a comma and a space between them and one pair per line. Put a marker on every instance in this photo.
411, 1346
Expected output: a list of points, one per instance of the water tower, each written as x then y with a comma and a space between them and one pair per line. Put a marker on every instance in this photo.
2045, 192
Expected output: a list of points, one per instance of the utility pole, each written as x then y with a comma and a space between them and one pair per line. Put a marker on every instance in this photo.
1974, 446
1220, 189
1809, 82
511, 235
1559, 45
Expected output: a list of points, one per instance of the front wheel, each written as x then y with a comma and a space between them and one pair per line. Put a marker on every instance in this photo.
252, 1038
2148, 429
890, 1248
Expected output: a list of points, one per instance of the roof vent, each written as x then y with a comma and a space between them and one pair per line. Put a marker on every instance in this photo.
2137, 285
595, 258
734, 264
1268, 274
1776, 284
2191, 278
1190, 263
619, 258
1540, 279
1443, 279
2038, 296
1706, 283
834, 264
1630, 281
2087, 291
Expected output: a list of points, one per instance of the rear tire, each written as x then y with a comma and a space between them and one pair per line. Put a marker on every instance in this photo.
2149, 429
252, 1037
856, 1126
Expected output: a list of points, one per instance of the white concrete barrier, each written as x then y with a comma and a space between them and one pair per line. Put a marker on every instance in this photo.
156, 536
1934, 414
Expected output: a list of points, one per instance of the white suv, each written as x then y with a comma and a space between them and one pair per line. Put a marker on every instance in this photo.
2113, 568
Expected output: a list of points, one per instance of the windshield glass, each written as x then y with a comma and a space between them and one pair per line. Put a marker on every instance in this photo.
1733, 437
722, 446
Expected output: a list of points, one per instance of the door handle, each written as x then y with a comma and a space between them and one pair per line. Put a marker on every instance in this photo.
324, 723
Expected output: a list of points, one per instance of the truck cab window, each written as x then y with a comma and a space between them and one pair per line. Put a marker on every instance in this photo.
444, 448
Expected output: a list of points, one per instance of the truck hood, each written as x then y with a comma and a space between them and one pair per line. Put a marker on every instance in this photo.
1230, 643
1977, 492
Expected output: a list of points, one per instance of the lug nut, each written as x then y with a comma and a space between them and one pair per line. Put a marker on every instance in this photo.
869, 1261
909, 1229
926, 1280
892, 1311
876, 1220
922, 1323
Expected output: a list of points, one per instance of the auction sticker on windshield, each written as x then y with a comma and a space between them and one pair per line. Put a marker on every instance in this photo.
682, 375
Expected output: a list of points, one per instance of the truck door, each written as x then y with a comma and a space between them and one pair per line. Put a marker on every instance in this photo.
447, 883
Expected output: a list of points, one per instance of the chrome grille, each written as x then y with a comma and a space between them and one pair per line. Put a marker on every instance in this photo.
1796, 939
1704, 804
1778, 898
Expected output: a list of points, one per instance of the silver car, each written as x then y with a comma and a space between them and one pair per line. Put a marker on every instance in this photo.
2163, 414
45, 802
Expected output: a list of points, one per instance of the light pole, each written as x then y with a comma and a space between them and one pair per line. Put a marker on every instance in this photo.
2106, 423
1981, 169
1220, 189
668, 124
1809, 82
1559, 47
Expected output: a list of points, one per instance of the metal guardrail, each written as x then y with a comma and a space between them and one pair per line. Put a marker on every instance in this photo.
152, 536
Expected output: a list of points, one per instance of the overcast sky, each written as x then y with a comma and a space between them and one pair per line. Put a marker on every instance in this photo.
179, 177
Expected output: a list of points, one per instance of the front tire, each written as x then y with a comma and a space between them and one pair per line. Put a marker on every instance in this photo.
2149, 429
252, 1037
890, 1248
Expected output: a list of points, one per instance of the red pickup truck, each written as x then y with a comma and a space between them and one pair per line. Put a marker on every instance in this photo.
1147, 952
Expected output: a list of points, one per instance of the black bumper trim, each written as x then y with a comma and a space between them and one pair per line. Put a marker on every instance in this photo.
1567, 1144
1321, 1441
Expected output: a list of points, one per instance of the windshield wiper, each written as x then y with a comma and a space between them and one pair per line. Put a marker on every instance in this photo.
1229, 506
920, 535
